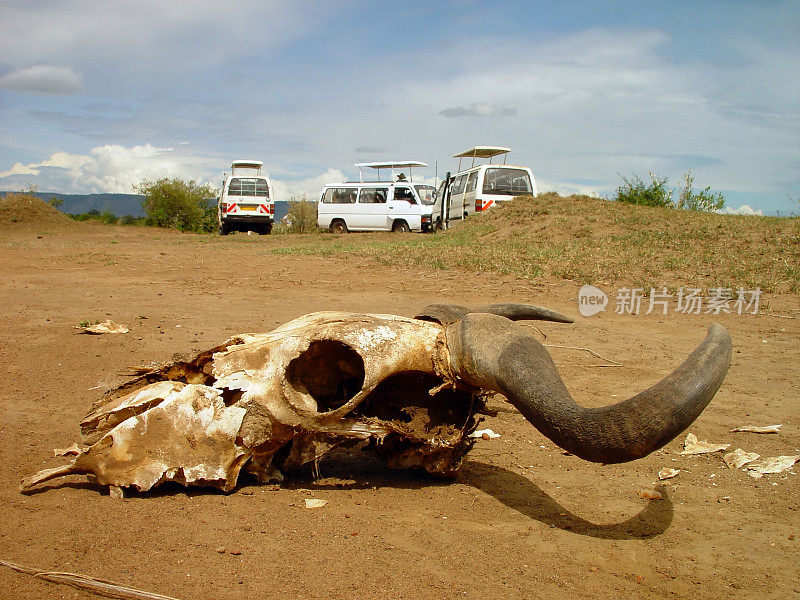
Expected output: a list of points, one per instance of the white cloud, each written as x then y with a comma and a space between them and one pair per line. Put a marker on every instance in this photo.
310, 187
116, 169
479, 109
744, 209
149, 36
567, 189
43, 79
109, 168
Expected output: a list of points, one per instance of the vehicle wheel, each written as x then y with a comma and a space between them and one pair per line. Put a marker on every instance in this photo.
265, 229
401, 227
338, 226
223, 229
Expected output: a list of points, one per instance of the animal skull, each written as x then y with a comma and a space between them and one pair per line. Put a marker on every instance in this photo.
410, 388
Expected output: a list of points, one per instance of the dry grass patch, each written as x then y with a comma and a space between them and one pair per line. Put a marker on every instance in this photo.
589, 240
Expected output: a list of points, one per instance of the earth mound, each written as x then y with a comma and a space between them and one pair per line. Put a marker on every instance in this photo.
25, 210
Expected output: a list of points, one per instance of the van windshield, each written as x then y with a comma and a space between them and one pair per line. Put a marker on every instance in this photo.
510, 182
426, 193
248, 186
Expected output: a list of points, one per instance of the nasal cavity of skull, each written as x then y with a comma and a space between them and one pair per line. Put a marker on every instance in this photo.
405, 399
329, 371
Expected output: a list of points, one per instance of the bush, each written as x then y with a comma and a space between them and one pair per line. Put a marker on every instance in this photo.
106, 217
302, 217
705, 200
131, 220
656, 193
179, 204
636, 191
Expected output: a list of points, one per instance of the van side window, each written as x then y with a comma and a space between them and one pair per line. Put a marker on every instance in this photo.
471, 181
506, 181
373, 195
458, 185
340, 196
404, 193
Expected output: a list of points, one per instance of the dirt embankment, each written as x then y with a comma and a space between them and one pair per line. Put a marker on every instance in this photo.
26, 212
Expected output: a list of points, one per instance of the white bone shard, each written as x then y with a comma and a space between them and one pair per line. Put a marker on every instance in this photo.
739, 458
693, 446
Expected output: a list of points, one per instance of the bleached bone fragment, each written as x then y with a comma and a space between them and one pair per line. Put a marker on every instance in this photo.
773, 464
105, 327
693, 446
759, 428
739, 458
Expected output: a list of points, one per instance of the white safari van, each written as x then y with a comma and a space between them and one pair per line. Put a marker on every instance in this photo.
246, 202
478, 188
396, 204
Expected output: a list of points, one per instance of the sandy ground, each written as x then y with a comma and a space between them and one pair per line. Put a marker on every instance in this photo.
523, 520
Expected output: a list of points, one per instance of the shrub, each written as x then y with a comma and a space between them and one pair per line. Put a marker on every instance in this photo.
636, 191
179, 204
108, 218
705, 200
302, 217
656, 193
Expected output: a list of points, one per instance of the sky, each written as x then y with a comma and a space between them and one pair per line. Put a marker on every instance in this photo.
98, 96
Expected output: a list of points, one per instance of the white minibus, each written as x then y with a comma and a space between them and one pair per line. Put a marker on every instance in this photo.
480, 187
246, 202
396, 204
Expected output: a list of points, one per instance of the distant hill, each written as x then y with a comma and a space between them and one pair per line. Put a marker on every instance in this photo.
75, 204
119, 204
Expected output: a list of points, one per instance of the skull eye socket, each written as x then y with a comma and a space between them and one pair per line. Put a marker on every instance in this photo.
329, 371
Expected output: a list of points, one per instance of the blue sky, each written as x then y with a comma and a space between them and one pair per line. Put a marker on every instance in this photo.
96, 96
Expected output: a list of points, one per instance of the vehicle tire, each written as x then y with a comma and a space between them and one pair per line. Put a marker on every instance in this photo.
265, 229
223, 229
401, 227
338, 226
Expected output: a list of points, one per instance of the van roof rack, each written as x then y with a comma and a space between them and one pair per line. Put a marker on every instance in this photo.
389, 164
247, 164
482, 152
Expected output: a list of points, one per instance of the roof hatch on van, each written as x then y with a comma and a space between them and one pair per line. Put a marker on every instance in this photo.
482, 152
389, 164
247, 164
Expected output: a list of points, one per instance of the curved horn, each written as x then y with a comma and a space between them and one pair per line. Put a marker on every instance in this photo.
524, 312
446, 314
490, 352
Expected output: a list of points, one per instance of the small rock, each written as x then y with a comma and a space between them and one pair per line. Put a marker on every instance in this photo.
668, 473
649, 494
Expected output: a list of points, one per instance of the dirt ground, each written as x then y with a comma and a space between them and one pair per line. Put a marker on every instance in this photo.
522, 520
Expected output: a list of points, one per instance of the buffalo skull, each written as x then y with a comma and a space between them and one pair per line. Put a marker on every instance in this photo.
411, 389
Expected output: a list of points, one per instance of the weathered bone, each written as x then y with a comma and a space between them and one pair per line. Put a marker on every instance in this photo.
409, 388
